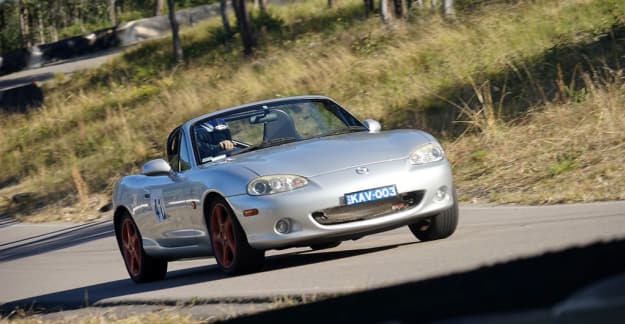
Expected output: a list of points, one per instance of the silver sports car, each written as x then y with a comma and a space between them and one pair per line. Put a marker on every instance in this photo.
289, 172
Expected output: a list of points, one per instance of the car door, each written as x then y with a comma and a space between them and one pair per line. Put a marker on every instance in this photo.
170, 198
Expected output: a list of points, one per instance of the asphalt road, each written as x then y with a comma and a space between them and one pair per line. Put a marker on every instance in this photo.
73, 265
48, 71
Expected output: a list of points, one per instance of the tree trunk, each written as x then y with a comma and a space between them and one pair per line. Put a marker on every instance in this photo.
53, 16
369, 7
42, 29
22, 12
2, 27
434, 4
63, 11
112, 15
401, 8
448, 8
224, 19
178, 54
158, 7
80, 15
386, 11
262, 6
331, 3
244, 25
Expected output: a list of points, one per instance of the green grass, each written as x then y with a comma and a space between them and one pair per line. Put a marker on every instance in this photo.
483, 82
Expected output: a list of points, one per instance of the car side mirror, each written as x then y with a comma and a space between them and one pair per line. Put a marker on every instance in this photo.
373, 125
156, 167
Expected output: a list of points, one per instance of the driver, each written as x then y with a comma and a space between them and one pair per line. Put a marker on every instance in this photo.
213, 138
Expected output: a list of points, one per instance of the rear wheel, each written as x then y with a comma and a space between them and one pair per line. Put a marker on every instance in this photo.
233, 253
141, 267
439, 226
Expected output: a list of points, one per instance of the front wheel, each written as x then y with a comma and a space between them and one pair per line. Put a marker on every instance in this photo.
233, 253
141, 267
437, 227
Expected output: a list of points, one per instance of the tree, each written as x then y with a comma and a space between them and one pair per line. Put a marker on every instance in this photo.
244, 25
331, 3
448, 8
112, 15
387, 11
178, 54
401, 8
369, 6
53, 17
42, 32
390, 10
224, 19
3, 26
22, 12
262, 5
158, 7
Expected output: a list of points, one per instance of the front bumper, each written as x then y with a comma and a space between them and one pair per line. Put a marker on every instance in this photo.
326, 192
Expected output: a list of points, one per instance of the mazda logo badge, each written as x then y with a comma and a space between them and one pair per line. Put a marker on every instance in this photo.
362, 170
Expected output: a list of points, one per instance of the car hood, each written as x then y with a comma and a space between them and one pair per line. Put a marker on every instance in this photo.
319, 156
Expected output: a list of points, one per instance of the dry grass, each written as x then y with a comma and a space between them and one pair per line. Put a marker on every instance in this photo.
102, 124
571, 152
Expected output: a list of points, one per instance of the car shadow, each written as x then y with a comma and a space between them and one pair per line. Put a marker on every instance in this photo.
89, 295
566, 286
56, 240
302, 258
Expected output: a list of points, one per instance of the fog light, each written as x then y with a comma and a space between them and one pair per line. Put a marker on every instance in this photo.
283, 226
441, 194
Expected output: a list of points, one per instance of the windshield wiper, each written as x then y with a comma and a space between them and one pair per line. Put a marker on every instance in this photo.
273, 142
348, 129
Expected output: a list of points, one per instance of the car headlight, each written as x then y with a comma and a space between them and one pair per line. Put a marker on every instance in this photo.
427, 153
272, 184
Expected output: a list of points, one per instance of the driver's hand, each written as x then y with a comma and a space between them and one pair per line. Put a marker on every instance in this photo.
226, 144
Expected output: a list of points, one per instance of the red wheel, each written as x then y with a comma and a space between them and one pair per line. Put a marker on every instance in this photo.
131, 248
233, 253
141, 267
222, 234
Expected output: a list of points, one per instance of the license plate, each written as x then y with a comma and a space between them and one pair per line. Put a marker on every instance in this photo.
364, 196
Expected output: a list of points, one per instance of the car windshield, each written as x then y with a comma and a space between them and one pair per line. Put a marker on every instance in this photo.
267, 125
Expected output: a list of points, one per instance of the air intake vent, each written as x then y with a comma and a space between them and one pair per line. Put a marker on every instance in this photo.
370, 210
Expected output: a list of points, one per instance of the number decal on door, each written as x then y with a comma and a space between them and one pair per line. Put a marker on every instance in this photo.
158, 205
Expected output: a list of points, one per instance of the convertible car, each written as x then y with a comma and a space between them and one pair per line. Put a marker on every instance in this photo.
289, 172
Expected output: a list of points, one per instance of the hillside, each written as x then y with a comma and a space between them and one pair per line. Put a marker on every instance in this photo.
528, 97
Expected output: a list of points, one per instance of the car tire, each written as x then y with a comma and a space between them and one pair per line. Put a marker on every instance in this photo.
140, 266
323, 246
439, 226
232, 252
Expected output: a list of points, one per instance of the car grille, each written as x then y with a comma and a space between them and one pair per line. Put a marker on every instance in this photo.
352, 213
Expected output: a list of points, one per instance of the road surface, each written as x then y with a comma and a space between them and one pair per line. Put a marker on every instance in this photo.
47, 72
71, 265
